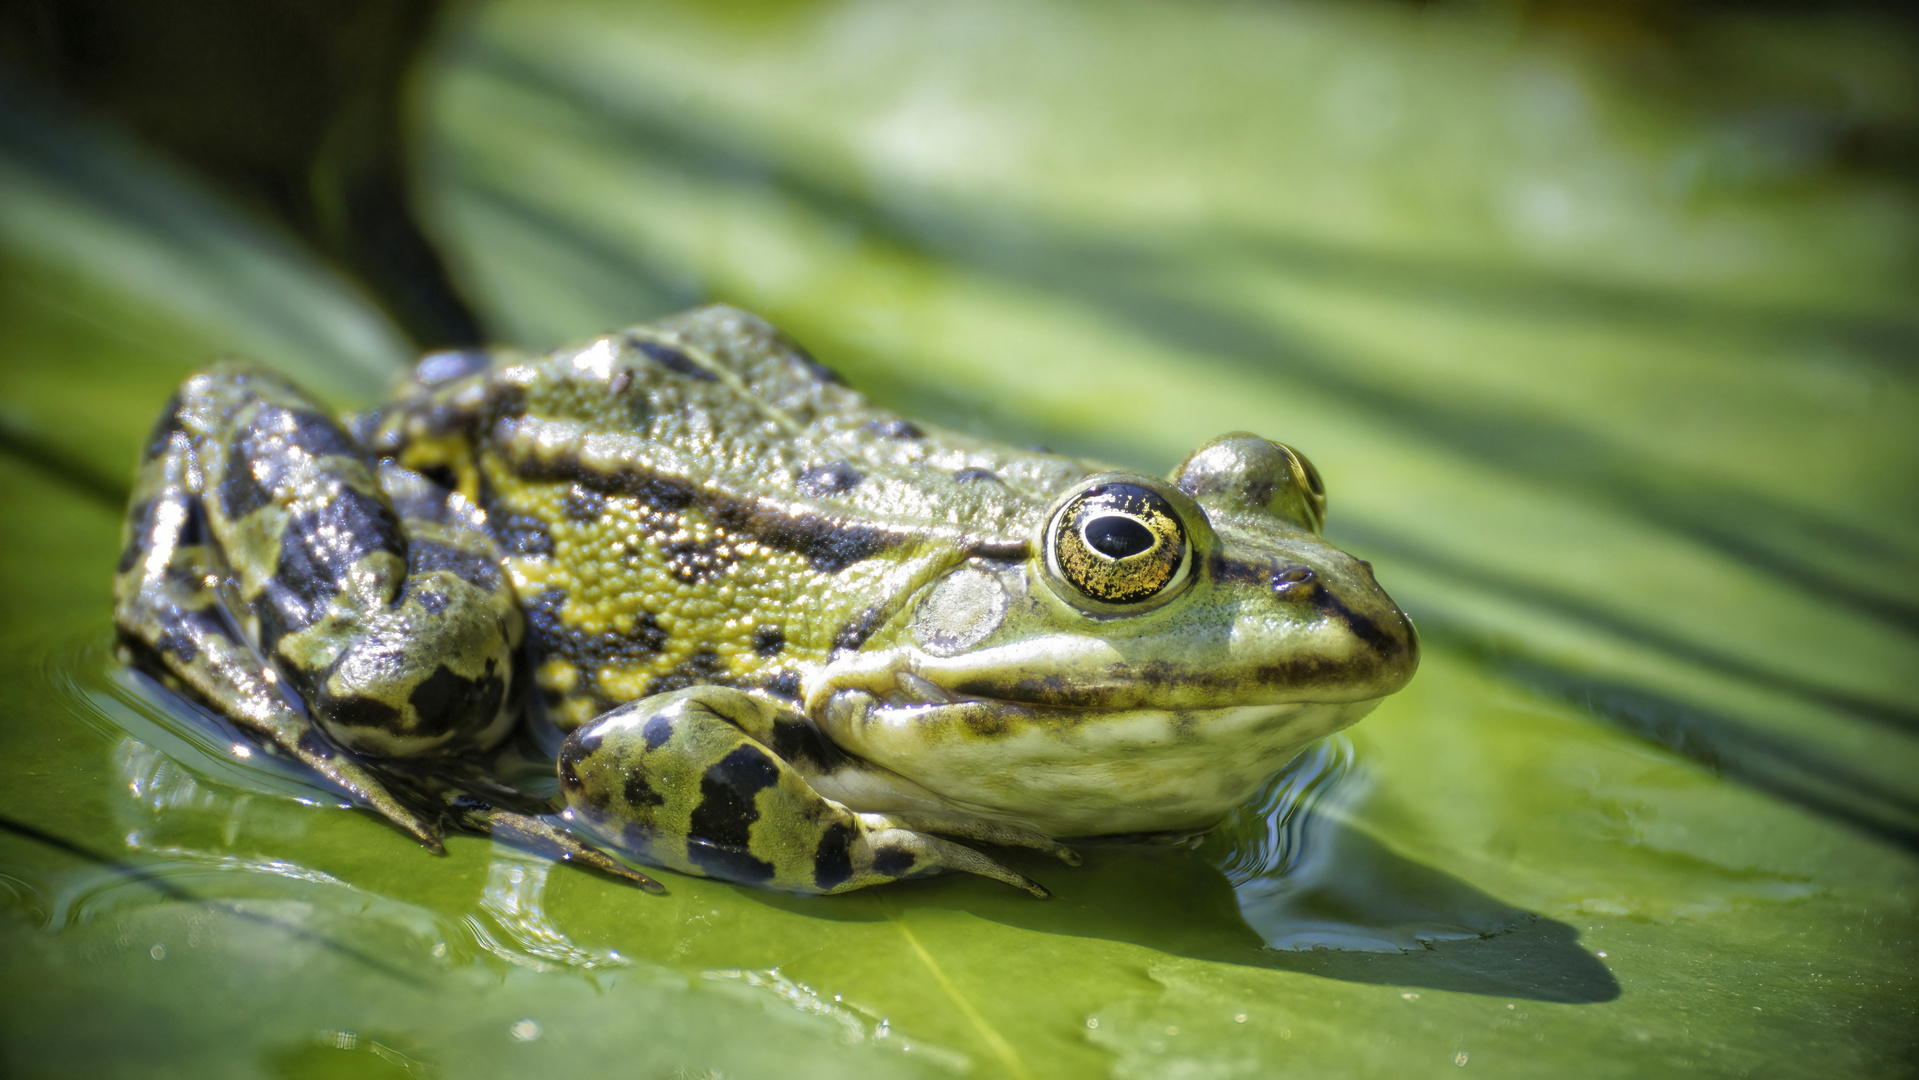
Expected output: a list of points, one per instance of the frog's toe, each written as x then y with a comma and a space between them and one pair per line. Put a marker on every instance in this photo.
905, 853
541, 835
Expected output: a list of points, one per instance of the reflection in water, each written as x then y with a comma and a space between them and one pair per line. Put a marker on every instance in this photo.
1307, 879
512, 922
1268, 833
1329, 899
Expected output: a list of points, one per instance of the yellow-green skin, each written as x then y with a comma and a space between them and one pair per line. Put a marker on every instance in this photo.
794, 635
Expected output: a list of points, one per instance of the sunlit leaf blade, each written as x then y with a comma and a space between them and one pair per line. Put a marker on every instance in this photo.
1615, 402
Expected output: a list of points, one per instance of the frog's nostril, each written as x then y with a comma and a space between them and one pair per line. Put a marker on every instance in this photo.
1293, 581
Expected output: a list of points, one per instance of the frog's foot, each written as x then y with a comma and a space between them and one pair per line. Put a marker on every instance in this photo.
169, 611
334, 607
704, 781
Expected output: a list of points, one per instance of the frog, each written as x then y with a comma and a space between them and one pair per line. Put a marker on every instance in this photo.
775, 634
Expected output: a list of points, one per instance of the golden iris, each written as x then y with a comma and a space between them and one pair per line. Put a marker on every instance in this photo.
1118, 543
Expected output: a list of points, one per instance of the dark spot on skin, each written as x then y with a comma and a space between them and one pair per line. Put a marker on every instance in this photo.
505, 402
824, 480
975, 475
447, 701
903, 430
892, 861
639, 793
433, 600
828, 546
855, 633
313, 744
720, 830
1230, 571
444, 367
985, 724
240, 493
620, 382
475, 568
275, 428
523, 535
548, 635
163, 431
440, 476
769, 641
321, 546
657, 731
358, 712
177, 645
193, 525
786, 684
703, 668
798, 742
582, 503
590, 739
696, 561
833, 856
672, 360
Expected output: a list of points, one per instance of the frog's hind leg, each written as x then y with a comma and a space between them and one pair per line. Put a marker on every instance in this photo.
694, 780
169, 605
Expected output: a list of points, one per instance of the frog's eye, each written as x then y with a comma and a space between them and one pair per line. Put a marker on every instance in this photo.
1118, 543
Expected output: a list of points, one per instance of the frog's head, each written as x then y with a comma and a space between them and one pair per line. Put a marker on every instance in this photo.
1181, 640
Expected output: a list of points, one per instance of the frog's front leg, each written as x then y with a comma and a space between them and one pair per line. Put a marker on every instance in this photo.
699, 780
268, 568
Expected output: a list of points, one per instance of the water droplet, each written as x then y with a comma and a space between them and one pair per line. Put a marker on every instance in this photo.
1092, 1022
1239, 1018
158, 952
1285, 1033
1601, 955
1460, 1058
525, 1030
1410, 996
439, 949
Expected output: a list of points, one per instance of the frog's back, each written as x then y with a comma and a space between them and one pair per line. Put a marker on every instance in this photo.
697, 501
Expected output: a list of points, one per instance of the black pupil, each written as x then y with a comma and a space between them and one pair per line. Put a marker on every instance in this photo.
1117, 537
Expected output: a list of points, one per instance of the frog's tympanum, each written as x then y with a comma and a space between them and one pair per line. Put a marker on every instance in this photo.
797, 641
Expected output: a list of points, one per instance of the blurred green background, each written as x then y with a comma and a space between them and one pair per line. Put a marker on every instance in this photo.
1599, 319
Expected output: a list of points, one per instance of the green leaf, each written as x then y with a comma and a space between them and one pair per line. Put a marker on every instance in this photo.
1612, 383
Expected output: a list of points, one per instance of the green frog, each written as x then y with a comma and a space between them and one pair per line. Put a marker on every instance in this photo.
790, 639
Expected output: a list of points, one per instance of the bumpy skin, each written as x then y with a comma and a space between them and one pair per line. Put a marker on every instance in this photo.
793, 635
